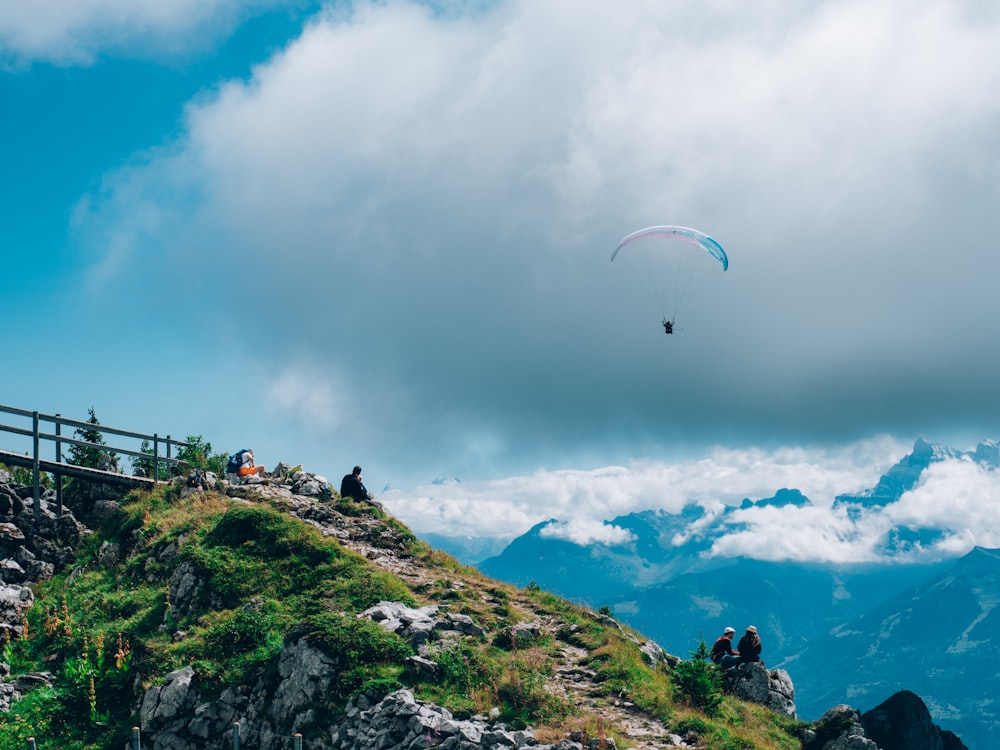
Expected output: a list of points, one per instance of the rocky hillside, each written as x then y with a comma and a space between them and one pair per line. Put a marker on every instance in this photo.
282, 612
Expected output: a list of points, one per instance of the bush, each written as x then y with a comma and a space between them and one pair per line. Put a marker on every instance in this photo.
197, 454
464, 667
698, 681
245, 630
359, 647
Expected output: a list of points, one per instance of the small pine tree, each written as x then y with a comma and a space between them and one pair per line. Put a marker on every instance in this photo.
87, 455
699, 681
198, 454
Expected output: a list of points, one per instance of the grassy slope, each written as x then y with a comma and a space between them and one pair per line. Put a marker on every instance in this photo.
102, 630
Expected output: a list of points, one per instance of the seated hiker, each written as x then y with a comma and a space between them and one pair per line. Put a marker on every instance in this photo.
352, 486
722, 651
247, 465
749, 645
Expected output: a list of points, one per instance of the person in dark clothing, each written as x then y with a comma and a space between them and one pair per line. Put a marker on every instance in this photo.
749, 646
668, 326
722, 650
352, 486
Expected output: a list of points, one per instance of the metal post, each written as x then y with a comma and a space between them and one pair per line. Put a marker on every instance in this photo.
31, 743
156, 458
170, 471
236, 735
297, 741
136, 744
35, 472
59, 477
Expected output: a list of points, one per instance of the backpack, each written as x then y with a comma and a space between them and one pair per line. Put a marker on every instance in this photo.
235, 461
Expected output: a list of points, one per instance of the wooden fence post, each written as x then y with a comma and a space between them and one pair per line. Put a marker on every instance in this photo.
59, 477
35, 470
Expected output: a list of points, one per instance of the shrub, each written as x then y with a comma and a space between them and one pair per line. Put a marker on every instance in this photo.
464, 667
698, 681
245, 630
522, 691
380, 686
358, 646
21, 476
197, 454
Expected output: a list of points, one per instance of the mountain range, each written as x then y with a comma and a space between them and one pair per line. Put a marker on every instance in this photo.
854, 632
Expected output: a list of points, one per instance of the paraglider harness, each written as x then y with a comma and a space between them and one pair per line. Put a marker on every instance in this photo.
668, 326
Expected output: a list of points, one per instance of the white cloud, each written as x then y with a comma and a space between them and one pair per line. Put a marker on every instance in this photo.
586, 499
957, 497
808, 533
953, 503
310, 396
584, 532
69, 32
433, 197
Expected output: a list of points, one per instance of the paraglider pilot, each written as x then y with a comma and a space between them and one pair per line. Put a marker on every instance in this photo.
668, 326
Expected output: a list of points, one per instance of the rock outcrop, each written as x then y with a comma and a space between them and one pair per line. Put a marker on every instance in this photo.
902, 722
756, 683
30, 550
400, 722
839, 728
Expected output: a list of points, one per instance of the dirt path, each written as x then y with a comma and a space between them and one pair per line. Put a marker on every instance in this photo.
575, 681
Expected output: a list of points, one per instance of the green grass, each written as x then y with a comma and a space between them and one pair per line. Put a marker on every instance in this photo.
268, 577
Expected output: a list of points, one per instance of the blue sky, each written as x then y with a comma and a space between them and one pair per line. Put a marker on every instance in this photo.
379, 233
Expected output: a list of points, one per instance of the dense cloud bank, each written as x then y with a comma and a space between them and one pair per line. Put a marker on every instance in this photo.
836, 153
949, 504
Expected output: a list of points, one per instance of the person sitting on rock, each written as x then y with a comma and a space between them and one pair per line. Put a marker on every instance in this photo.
749, 646
248, 467
352, 486
722, 650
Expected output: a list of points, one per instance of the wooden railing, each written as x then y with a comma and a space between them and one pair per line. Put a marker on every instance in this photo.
32, 458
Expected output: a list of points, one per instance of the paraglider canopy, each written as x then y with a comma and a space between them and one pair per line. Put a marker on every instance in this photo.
685, 234
671, 265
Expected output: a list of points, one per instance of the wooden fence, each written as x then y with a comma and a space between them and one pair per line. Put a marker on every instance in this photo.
32, 458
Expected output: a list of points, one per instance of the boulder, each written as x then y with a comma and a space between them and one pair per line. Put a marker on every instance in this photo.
306, 677
756, 683
400, 722
165, 707
838, 729
15, 601
902, 722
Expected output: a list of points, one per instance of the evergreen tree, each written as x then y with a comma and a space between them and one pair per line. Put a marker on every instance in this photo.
699, 681
87, 455
197, 454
